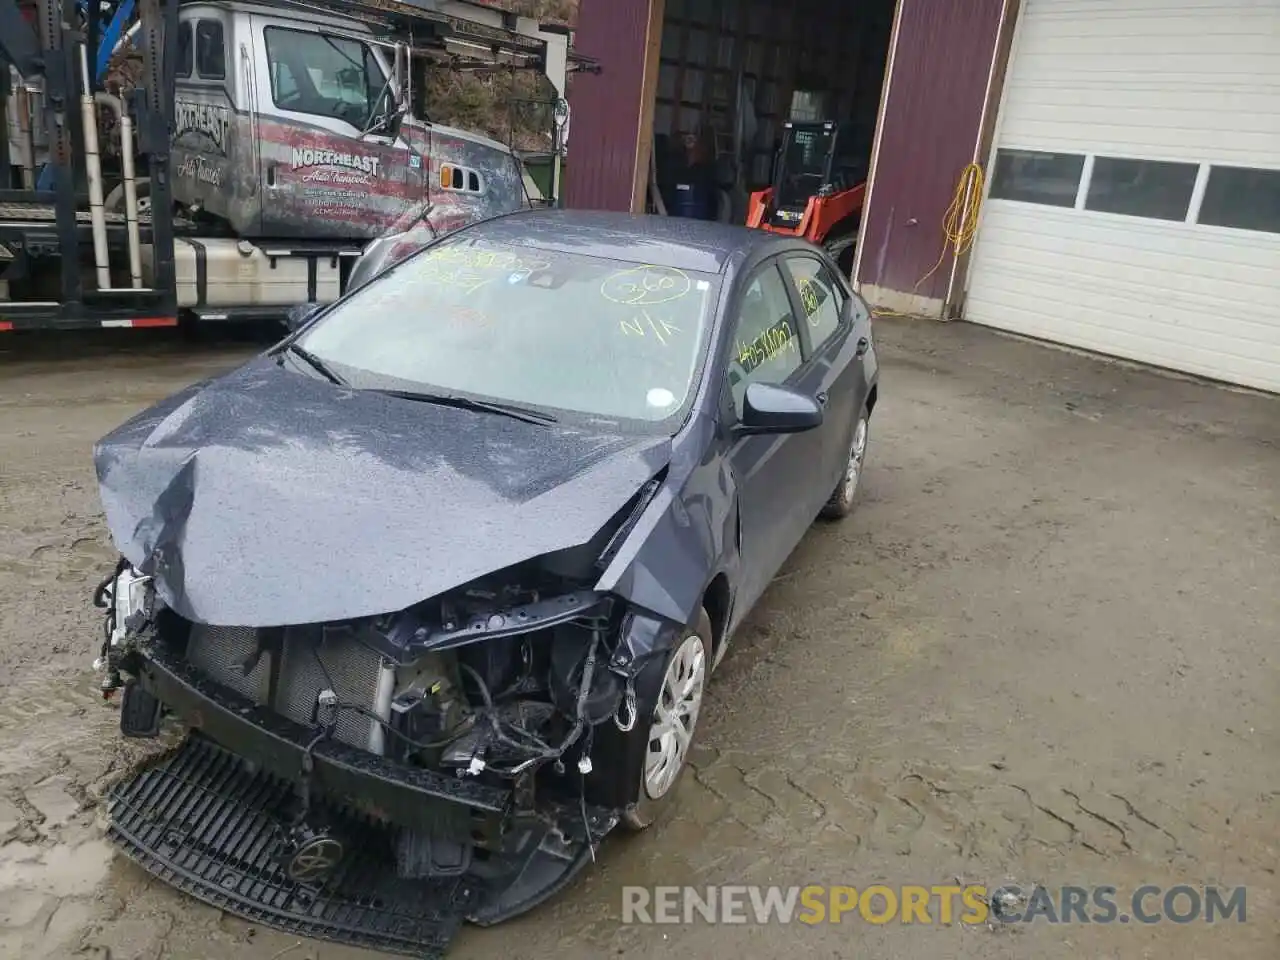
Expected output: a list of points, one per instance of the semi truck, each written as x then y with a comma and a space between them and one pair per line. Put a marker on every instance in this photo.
264, 145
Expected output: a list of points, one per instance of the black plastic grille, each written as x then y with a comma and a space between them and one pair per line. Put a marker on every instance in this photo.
200, 820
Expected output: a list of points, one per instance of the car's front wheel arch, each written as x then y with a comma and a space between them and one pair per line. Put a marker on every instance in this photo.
619, 757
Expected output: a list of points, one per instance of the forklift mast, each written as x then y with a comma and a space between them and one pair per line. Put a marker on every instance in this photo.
41, 42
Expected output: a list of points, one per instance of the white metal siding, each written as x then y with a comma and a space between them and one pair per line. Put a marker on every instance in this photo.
1196, 81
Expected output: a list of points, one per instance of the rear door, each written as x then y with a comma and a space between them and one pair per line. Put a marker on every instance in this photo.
834, 371
324, 174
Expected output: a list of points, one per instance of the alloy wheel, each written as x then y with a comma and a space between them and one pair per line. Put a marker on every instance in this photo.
675, 716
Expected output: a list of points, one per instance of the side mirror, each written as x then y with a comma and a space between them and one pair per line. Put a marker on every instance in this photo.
392, 122
770, 409
298, 316
386, 124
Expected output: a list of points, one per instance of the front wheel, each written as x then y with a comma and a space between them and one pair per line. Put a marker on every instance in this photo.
845, 496
639, 770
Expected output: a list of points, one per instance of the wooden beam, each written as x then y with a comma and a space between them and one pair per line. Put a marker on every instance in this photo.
649, 94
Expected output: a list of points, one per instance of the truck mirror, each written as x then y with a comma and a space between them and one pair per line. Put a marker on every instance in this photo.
403, 72
388, 124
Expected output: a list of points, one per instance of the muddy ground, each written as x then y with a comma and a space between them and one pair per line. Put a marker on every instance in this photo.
1044, 650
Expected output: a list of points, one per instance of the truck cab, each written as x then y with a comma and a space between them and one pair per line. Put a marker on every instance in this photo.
291, 123
263, 147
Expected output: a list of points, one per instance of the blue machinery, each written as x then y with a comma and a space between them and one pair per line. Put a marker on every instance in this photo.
111, 38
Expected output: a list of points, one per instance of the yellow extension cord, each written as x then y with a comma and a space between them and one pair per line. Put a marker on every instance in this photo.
959, 226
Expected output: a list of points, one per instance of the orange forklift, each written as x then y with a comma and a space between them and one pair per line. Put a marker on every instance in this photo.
819, 186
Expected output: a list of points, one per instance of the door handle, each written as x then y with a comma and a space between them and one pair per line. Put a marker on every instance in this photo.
863, 346
821, 398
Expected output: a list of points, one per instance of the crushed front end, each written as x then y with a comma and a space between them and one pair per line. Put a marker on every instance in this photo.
374, 781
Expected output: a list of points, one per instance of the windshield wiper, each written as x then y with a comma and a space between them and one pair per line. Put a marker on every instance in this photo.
314, 362
524, 414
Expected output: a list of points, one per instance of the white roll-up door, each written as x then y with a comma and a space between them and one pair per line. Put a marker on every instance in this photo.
1134, 191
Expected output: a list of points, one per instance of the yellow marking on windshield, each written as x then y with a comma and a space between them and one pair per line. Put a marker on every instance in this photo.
459, 278
643, 324
484, 258
647, 285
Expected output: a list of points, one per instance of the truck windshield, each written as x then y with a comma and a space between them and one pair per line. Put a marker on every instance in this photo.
556, 331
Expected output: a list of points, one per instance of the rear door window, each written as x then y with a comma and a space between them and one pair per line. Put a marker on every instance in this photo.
821, 298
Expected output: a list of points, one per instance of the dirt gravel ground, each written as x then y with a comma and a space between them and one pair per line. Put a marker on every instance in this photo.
1043, 650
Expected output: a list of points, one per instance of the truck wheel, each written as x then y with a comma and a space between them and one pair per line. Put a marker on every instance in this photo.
639, 771
845, 496
114, 203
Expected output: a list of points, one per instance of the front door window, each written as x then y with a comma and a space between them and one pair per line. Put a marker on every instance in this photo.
325, 75
766, 345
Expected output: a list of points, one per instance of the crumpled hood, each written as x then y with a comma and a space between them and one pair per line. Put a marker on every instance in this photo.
267, 498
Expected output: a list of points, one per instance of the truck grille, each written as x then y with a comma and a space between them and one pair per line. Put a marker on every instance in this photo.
311, 662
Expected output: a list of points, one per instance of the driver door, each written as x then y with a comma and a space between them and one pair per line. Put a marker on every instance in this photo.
773, 474
327, 168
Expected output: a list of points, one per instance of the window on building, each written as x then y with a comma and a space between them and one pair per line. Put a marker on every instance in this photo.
766, 345
1035, 176
1247, 198
211, 52
325, 75
820, 296
1156, 189
183, 71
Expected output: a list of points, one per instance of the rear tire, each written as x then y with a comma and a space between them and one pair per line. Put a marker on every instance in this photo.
845, 496
842, 246
114, 202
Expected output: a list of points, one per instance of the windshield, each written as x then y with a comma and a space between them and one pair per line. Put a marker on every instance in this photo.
567, 332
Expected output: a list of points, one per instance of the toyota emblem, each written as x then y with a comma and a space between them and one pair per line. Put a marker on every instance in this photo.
314, 860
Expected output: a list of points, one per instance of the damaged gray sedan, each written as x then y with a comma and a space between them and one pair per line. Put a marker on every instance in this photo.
435, 585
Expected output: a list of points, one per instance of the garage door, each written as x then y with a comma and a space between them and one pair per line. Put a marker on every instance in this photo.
1134, 192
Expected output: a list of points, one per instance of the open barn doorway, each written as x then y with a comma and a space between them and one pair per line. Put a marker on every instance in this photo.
765, 114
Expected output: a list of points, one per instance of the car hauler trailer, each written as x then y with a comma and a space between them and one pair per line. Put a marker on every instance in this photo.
264, 145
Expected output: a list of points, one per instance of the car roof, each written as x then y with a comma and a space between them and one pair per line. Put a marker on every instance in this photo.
697, 245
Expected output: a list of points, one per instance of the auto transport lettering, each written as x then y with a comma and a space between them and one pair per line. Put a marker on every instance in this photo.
304, 157
209, 120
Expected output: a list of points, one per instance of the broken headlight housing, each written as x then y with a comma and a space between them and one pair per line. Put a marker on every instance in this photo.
129, 600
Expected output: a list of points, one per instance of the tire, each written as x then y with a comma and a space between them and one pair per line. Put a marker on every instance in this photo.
845, 496
114, 202
629, 772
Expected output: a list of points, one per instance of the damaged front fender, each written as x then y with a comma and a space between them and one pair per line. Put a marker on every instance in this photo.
681, 539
